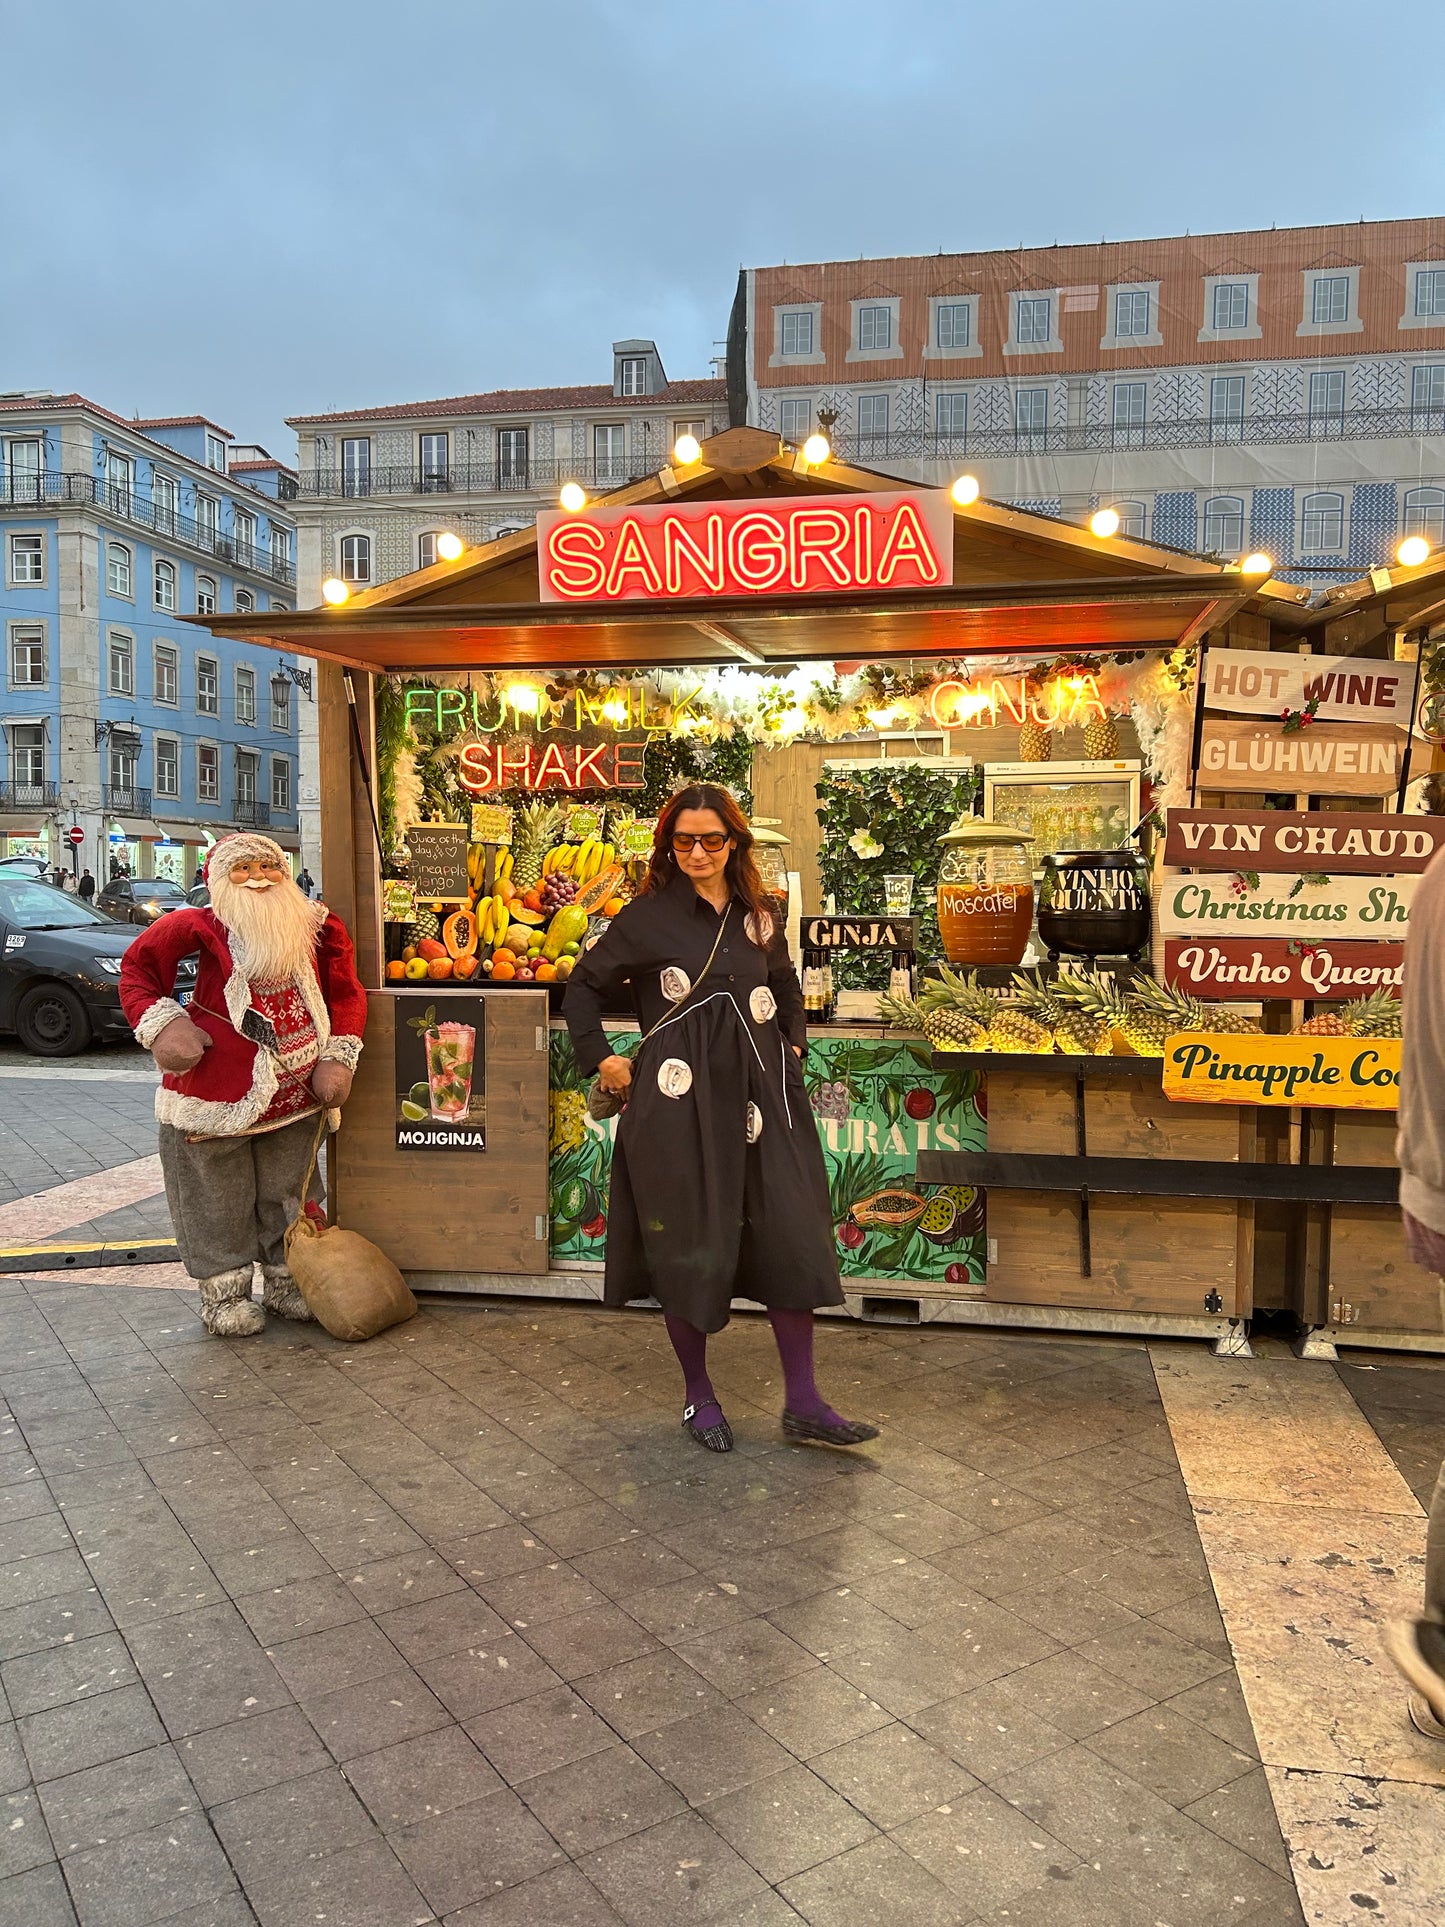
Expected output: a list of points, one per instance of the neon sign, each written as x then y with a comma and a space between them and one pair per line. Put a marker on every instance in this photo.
1064, 703
808, 545
519, 764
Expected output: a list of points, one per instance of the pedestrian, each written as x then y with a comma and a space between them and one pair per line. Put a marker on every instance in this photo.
306, 882
1417, 1646
199, 878
718, 1183
268, 1041
86, 886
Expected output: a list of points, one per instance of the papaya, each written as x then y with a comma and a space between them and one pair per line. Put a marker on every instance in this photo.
568, 926
523, 913
892, 1207
460, 933
593, 895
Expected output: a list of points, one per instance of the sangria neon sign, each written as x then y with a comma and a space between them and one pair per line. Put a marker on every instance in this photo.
807, 545
1065, 702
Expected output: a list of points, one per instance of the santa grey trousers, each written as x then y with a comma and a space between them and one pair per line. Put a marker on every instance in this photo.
232, 1198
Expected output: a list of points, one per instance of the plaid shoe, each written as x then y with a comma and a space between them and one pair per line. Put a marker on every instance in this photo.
1417, 1647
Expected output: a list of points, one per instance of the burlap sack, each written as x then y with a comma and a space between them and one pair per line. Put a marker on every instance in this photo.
354, 1290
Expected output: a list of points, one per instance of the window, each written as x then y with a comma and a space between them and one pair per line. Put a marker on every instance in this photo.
512, 457
796, 333
634, 375
435, 463
118, 474
698, 431
426, 550
1031, 411
284, 607
1231, 305
609, 450
1424, 515
246, 763
795, 419
245, 602
208, 520
120, 679
122, 765
168, 766
1224, 525
27, 759
1329, 299
23, 479
1131, 519
953, 324
245, 695
280, 550
1322, 525
117, 569
356, 465
280, 783
165, 584
1430, 291
875, 328
164, 495
208, 773
950, 416
281, 704
243, 528
1130, 400
1032, 319
27, 558
1427, 391
215, 453
1131, 313
205, 595
167, 674
1226, 407
1327, 400
208, 686
27, 655
356, 558
872, 416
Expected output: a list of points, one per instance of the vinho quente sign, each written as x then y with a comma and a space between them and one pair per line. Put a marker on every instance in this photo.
803, 545
1223, 970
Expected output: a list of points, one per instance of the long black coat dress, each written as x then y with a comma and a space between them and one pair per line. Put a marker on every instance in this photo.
719, 1190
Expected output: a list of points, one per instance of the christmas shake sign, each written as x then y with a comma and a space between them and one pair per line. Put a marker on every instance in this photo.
1310, 909
1244, 969
1345, 689
1337, 1073
1348, 843
1324, 759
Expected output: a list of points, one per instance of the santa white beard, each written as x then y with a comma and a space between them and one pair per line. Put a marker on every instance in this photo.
273, 931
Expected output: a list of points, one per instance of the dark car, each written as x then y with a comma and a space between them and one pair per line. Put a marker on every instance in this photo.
60, 969
27, 866
199, 896
140, 899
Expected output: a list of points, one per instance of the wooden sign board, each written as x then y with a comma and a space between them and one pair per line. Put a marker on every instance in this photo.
859, 933
1311, 912
1345, 843
438, 861
1323, 759
1350, 689
1224, 970
1335, 1073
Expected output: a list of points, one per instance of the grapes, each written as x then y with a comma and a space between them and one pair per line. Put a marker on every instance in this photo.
557, 891
833, 1101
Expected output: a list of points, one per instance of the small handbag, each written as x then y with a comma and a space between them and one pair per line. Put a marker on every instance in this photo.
603, 1104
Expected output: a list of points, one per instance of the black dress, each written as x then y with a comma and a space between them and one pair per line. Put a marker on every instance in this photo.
719, 1190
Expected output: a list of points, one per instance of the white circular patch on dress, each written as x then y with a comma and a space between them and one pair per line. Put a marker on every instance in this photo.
755, 1124
758, 931
674, 1077
763, 1004
674, 984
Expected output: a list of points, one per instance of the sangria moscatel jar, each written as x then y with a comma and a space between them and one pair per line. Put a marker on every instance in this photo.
1094, 903
985, 893
769, 843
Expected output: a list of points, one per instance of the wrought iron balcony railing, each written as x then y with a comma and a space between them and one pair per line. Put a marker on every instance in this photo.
18, 795
248, 811
477, 478
127, 799
18, 488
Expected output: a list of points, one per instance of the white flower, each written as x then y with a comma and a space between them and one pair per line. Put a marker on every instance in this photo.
863, 844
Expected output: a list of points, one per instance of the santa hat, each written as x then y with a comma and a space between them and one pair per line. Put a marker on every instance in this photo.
244, 846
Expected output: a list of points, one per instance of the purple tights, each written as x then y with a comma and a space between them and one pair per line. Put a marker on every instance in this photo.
793, 1331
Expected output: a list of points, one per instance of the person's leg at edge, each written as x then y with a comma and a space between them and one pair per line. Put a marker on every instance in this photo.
1417, 1646
803, 1403
703, 1416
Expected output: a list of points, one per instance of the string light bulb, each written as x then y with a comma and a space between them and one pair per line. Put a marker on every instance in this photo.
335, 591
816, 449
1412, 552
965, 490
686, 450
573, 497
449, 546
1104, 522
522, 697
1257, 564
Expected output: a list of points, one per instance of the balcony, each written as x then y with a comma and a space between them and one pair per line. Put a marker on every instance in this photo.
16, 795
247, 813
126, 799
479, 478
125, 505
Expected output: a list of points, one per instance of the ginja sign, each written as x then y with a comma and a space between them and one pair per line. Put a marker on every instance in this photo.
802, 545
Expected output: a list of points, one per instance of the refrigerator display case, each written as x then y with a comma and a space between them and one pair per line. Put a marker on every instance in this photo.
1065, 806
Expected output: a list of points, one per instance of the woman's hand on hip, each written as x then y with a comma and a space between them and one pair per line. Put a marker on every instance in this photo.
615, 1074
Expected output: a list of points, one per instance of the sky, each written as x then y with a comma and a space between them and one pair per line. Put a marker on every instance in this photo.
279, 207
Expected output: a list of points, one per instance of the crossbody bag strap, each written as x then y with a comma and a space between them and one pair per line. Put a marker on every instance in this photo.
692, 989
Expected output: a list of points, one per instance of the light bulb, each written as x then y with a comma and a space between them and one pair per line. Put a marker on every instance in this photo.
573, 496
522, 697
1412, 552
965, 490
686, 450
449, 546
1104, 522
816, 449
335, 591
1257, 564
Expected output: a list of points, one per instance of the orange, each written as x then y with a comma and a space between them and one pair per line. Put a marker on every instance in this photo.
612, 906
396, 972
546, 972
502, 970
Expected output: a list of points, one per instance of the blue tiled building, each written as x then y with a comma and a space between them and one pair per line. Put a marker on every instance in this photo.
120, 717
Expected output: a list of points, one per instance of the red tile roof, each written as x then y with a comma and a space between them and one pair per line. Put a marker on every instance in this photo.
181, 421
242, 468
522, 401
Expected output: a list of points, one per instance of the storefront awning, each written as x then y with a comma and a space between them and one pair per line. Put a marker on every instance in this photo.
134, 829
12, 824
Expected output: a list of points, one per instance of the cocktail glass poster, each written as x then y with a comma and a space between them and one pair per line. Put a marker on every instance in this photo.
441, 1091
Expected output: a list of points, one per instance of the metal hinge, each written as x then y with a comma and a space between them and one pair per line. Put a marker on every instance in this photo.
541, 1037
541, 1231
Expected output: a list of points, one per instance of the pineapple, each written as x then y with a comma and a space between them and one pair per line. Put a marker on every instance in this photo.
1007, 1027
538, 827
1142, 1029
946, 1023
1187, 1013
1377, 1015
1075, 1034
1036, 743
427, 922
1326, 1023
1101, 739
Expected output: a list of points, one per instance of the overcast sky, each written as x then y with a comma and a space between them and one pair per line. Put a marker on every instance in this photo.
275, 207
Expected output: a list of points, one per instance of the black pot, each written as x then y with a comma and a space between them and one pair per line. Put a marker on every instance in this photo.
1094, 903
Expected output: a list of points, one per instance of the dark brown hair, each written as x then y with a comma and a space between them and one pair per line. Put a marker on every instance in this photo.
742, 872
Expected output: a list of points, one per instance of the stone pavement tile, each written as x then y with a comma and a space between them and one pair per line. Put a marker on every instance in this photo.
69, 1738
149, 1877
328, 1661
1198, 1620
500, 1552
849, 1552
36, 1899
535, 1735
539, 1593
632, 1566
745, 1655
1170, 1754
1152, 1658
813, 1712
835, 1622
1147, 1578
1068, 1609
26, 1501
361, 1887
124, 1796
375, 1713
40, 1532
914, 1591
788, 1822
450, 1623
564, 1895
592, 1802
284, 1613
240, 1681
24, 1837
893, 1775
1242, 1812
643, 1694
984, 1851
875, 1885
64, 1673
715, 1753
967, 1648
385, 1584
14, 1769
434, 1773
678, 1871
689, 1607
229, 1762
25, 1580
460, 1857
1074, 1696
255, 1566
294, 1821
587, 1642
586, 1528
474, 1681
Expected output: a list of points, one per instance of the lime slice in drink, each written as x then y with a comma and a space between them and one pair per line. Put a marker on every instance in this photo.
413, 1113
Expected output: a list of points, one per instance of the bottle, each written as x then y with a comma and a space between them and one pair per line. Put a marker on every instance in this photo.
829, 995
900, 976
812, 986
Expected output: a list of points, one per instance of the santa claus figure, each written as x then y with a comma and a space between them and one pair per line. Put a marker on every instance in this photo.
267, 1043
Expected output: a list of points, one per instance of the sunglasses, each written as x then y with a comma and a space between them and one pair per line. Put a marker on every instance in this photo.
712, 841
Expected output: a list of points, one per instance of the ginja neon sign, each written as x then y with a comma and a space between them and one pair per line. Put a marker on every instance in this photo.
1065, 702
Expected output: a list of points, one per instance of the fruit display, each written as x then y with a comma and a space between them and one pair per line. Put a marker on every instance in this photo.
538, 826
1377, 1015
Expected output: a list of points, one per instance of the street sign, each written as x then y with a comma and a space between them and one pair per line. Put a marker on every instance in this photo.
75, 836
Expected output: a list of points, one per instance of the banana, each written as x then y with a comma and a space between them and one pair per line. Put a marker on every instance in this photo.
501, 917
484, 926
549, 861
504, 865
609, 856
584, 857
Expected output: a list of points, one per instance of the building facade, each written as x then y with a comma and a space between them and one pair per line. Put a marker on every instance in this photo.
1281, 391
376, 487
121, 719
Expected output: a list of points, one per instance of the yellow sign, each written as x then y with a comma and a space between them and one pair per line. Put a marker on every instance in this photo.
1336, 1073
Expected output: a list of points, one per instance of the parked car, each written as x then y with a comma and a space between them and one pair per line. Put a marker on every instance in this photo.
140, 899
199, 897
60, 969
27, 866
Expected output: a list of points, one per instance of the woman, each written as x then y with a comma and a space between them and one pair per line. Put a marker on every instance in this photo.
718, 1185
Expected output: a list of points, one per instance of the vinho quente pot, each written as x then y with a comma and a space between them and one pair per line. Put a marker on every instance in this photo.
1094, 903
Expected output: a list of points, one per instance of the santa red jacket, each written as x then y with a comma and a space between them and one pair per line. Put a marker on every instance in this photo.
229, 1090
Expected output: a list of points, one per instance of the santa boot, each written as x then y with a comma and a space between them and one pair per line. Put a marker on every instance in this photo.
226, 1306
281, 1293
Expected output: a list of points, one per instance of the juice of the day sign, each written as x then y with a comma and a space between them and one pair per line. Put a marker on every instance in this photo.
806, 545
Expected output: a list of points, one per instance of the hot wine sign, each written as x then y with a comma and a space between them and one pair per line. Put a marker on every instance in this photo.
1326, 725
